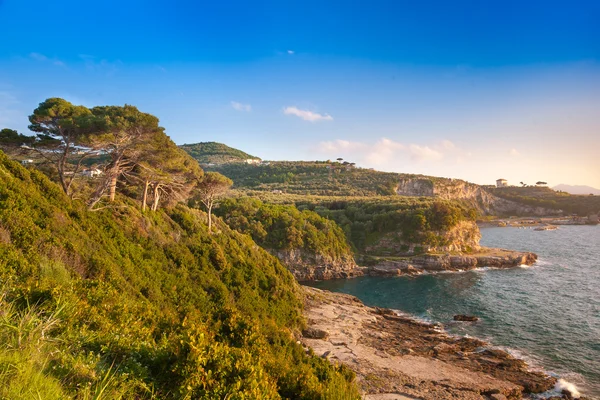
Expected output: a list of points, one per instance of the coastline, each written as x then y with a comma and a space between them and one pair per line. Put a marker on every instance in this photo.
399, 357
432, 263
415, 265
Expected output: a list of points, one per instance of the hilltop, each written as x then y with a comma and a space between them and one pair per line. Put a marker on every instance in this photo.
216, 153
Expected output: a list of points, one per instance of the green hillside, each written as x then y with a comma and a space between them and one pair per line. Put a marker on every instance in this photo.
119, 303
216, 153
315, 178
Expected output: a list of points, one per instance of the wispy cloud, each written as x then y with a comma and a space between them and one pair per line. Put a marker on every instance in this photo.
38, 56
291, 52
514, 152
241, 107
385, 150
94, 64
307, 115
42, 58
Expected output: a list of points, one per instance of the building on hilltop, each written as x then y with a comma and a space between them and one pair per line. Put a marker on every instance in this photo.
91, 173
501, 183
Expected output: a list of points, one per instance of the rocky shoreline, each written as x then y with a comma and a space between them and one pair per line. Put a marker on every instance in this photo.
397, 357
307, 269
486, 257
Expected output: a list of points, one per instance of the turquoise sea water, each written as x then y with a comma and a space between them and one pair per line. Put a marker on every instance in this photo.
548, 314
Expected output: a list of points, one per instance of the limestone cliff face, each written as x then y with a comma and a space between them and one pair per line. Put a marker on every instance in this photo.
463, 238
306, 266
477, 196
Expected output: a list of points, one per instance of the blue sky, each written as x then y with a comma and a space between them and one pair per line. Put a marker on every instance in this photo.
467, 89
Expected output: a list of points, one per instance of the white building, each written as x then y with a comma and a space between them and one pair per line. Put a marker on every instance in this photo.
501, 183
91, 173
252, 161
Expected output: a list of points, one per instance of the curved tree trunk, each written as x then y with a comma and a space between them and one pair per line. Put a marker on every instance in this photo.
156, 197
145, 198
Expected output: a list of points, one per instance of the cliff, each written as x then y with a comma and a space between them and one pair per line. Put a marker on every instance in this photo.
308, 266
474, 195
462, 237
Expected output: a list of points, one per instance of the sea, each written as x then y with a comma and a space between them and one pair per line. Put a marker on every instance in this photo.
547, 314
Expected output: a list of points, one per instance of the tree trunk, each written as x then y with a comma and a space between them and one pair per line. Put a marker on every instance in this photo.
113, 187
61, 168
145, 198
156, 197
210, 217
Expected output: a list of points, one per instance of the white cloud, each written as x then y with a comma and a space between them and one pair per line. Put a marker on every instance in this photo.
424, 153
290, 52
307, 115
514, 152
448, 145
385, 150
240, 106
340, 145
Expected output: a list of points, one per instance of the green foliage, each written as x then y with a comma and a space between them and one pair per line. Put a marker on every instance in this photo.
119, 304
367, 220
216, 153
277, 226
315, 178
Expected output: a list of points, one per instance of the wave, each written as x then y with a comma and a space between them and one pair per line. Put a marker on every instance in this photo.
562, 384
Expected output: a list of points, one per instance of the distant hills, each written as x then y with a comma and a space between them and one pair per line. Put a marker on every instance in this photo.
577, 189
216, 153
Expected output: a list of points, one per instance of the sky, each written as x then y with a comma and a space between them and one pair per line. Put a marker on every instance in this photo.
477, 90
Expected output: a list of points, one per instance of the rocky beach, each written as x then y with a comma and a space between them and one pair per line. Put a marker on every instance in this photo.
398, 357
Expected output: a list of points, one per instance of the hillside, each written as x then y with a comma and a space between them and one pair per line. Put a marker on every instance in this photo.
582, 205
118, 303
321, 178
310, 177
216, 153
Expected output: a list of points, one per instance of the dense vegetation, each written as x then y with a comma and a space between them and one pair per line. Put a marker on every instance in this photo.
316, 178
111, 288
366, 220
122, 304
284, 227
216, 153
545, 197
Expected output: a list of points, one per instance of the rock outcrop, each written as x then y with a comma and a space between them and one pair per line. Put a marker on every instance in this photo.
397, 357
307, 266
476, 195
485, 257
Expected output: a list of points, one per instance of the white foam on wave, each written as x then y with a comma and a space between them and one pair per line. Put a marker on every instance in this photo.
542, 263
562, 384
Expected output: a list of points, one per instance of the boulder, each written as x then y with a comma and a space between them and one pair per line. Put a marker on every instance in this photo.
467, 318
314, 333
